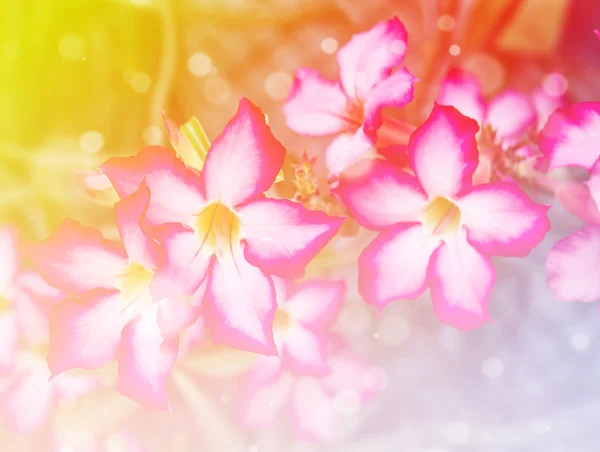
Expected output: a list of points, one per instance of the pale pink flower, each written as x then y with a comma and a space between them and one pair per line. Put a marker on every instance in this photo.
9, 266
218, 225
305, 313
437, 230
351, 107
319, 408
111, 312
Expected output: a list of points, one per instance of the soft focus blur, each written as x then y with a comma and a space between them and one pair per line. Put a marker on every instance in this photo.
85, 80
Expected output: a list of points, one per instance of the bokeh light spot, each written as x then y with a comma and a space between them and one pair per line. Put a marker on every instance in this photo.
217, 91
580, 341
446, 22
393, 330
91, 141
152, 135
454, 50
555, 84
140, 82
71, 47
278, 85
492, 368
329, 45
200, 64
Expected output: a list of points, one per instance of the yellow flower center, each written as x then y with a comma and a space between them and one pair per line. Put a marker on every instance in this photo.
355, 113
218, 228
282, 321
4, 304
134, 281
441, 216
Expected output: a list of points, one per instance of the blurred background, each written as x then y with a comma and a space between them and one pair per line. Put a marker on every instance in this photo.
82, 81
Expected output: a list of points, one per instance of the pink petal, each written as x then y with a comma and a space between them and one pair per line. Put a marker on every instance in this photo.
175, 189
577, 199
145, 361
261, 406
544, 105
240, 305
501, 220
9, 257
130, 213
510, 113
570, 137
315, 418
316, 304
444, 152
350, 373
347, 149
463, 91
9, 342
461, 281
78, 259
85, 333
186, 262
176, 314
573, 266
282, 236
394, 265
72, 386
369, 57
382, 195
396, 154
244, 160
304, 352
316, 106
395, 91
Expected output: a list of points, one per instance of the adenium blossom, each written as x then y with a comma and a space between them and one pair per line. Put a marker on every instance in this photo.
351, 107
217, 225
9, 266
305, 312
110, 311
320, 408
437, 230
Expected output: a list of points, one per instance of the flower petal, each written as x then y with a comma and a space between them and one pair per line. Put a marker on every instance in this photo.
444, 152
463, 91
85, 333
461, 281
78, 259
570, 137
510, 113
304, 352
145, 361
176, 190
369, 57
186, 262
130, 212
240, 305
345, 150
244, 160
316, 304
501, 220
9, 342
395, 91
382, 195
316, 106
261, 406
394, 265
315, 417
176, 314
9, 257
573, 266
282, 236
578, 200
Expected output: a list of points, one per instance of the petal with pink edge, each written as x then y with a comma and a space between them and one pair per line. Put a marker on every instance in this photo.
316, 304
347, 149
9, 338
395, 91
130, 213
9, 257
444, 152
573, 265
186, 263
78, 259
578, 200
175, 314
85, 333
145, 361
240, 305
463, 91
501, 220
304, 352
369, 57
176, 190
570, 137
244, 160
315, 417
283, 236
461, 281
381, 195
394, 265
510, 113
316, 106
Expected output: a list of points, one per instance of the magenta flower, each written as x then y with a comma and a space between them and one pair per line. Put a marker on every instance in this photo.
351, 108
218, 225
437, 230
111, 312
304, 315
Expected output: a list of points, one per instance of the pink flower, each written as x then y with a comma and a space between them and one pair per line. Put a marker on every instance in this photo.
320, 408
217, 225
351, 108
302, 320
111, 312
9, 265
570, 137
437, 230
